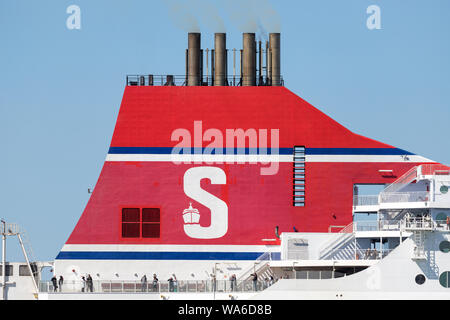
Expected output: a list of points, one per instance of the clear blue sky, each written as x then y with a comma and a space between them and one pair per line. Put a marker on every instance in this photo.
61, 89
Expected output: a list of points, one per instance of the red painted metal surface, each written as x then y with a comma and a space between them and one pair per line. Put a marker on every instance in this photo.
256, 203
148, 115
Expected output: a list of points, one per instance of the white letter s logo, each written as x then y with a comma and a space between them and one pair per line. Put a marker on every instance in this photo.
219, 209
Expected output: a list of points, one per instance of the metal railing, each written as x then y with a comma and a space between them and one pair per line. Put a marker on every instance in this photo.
404, 180
413, 173
424, 223
12, 229
366, 225
418, 223
391, 197
396, 225
395, 197
185, 286
377, 225
317, 274
340, 237
441, 225
365, 200
257, 265
358, 254
181, 80
434, 169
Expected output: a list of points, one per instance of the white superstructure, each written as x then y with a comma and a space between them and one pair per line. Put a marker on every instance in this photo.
404, 253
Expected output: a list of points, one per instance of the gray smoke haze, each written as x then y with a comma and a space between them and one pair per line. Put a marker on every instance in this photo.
189, 14
209, 15
181, 15
256, 16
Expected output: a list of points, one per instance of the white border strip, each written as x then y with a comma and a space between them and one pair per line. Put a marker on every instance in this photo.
264, 159
167, 248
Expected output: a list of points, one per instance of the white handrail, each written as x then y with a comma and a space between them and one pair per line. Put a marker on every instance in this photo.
358, 254
114, 286
418, 223
348, 230
395, 197
402, 181
365, 200
252, 268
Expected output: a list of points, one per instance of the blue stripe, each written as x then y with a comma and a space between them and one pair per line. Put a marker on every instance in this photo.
123, 255
357, 151
281, 151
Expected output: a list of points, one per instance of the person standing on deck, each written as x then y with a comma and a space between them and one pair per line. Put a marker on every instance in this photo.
155, 283
83, 279
90, 283
144, 283
55, 286
60, 283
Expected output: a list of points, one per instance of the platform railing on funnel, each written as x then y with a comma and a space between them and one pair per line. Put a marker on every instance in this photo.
181, 80
434, 169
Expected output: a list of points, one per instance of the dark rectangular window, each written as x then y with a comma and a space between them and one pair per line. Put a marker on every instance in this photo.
130, 215
23, 270
9, 270
150, 230
150, 215
141, 223
130, 230
131, 222
299, 176
150, 223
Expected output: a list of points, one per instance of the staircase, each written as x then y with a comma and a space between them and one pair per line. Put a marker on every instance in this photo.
342, 237
263, 272
404, 180
419, 226
395, 214
261, 266
392, 219
419, 240
432, 263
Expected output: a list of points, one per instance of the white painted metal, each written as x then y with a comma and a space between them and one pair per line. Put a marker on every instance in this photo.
36, 290
390, 278
413, 230
4, 260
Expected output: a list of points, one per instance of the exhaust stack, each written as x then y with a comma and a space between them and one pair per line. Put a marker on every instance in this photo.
274, 56
253, 63
260, 64
220, 59
194, 59
249, 60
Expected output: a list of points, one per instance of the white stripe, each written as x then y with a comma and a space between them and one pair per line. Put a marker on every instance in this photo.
166, 248
190, 158
365, 158
264, 159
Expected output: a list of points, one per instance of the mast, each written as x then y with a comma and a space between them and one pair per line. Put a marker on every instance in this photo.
4, 260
